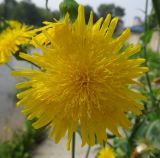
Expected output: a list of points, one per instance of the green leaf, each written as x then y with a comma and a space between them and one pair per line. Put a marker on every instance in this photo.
69, 6
146, 38
156, 6
153, 133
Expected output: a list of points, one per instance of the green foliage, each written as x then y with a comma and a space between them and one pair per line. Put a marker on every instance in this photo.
26, 12
69, 6
146, 38
3, 24
154, 17
152, 20
22, 143
152, 133
104, 9
154, 63
156, 5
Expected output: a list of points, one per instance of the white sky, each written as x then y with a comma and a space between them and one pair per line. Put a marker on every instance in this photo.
132, 7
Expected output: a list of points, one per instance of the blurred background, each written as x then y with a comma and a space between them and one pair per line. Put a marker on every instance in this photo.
19, 140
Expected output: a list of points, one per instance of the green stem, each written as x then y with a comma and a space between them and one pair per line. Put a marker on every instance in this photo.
10, 67
158, 46
132, 135
88, 151
109, 144
146, 56
47, 5
73, 145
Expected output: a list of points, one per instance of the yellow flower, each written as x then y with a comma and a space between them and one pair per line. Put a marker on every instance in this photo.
83, 79
106, 153
11, 38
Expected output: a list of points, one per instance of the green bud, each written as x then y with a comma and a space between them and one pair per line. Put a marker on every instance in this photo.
69, 6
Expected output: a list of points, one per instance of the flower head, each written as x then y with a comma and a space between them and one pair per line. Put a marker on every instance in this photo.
83, 79
106, 153
11, 38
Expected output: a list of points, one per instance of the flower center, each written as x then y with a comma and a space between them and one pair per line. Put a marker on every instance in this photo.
81, 80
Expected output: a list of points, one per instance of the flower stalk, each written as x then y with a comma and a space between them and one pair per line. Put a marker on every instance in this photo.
10, 67
146, 56
88, 151
73, 145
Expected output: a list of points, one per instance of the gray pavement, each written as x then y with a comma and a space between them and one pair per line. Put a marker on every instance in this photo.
48, 149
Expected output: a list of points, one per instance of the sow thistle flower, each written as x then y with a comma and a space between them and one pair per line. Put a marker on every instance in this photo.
106, 153
11, 38
83, 79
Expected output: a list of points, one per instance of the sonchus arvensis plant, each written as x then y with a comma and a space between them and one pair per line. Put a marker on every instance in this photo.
82, 79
